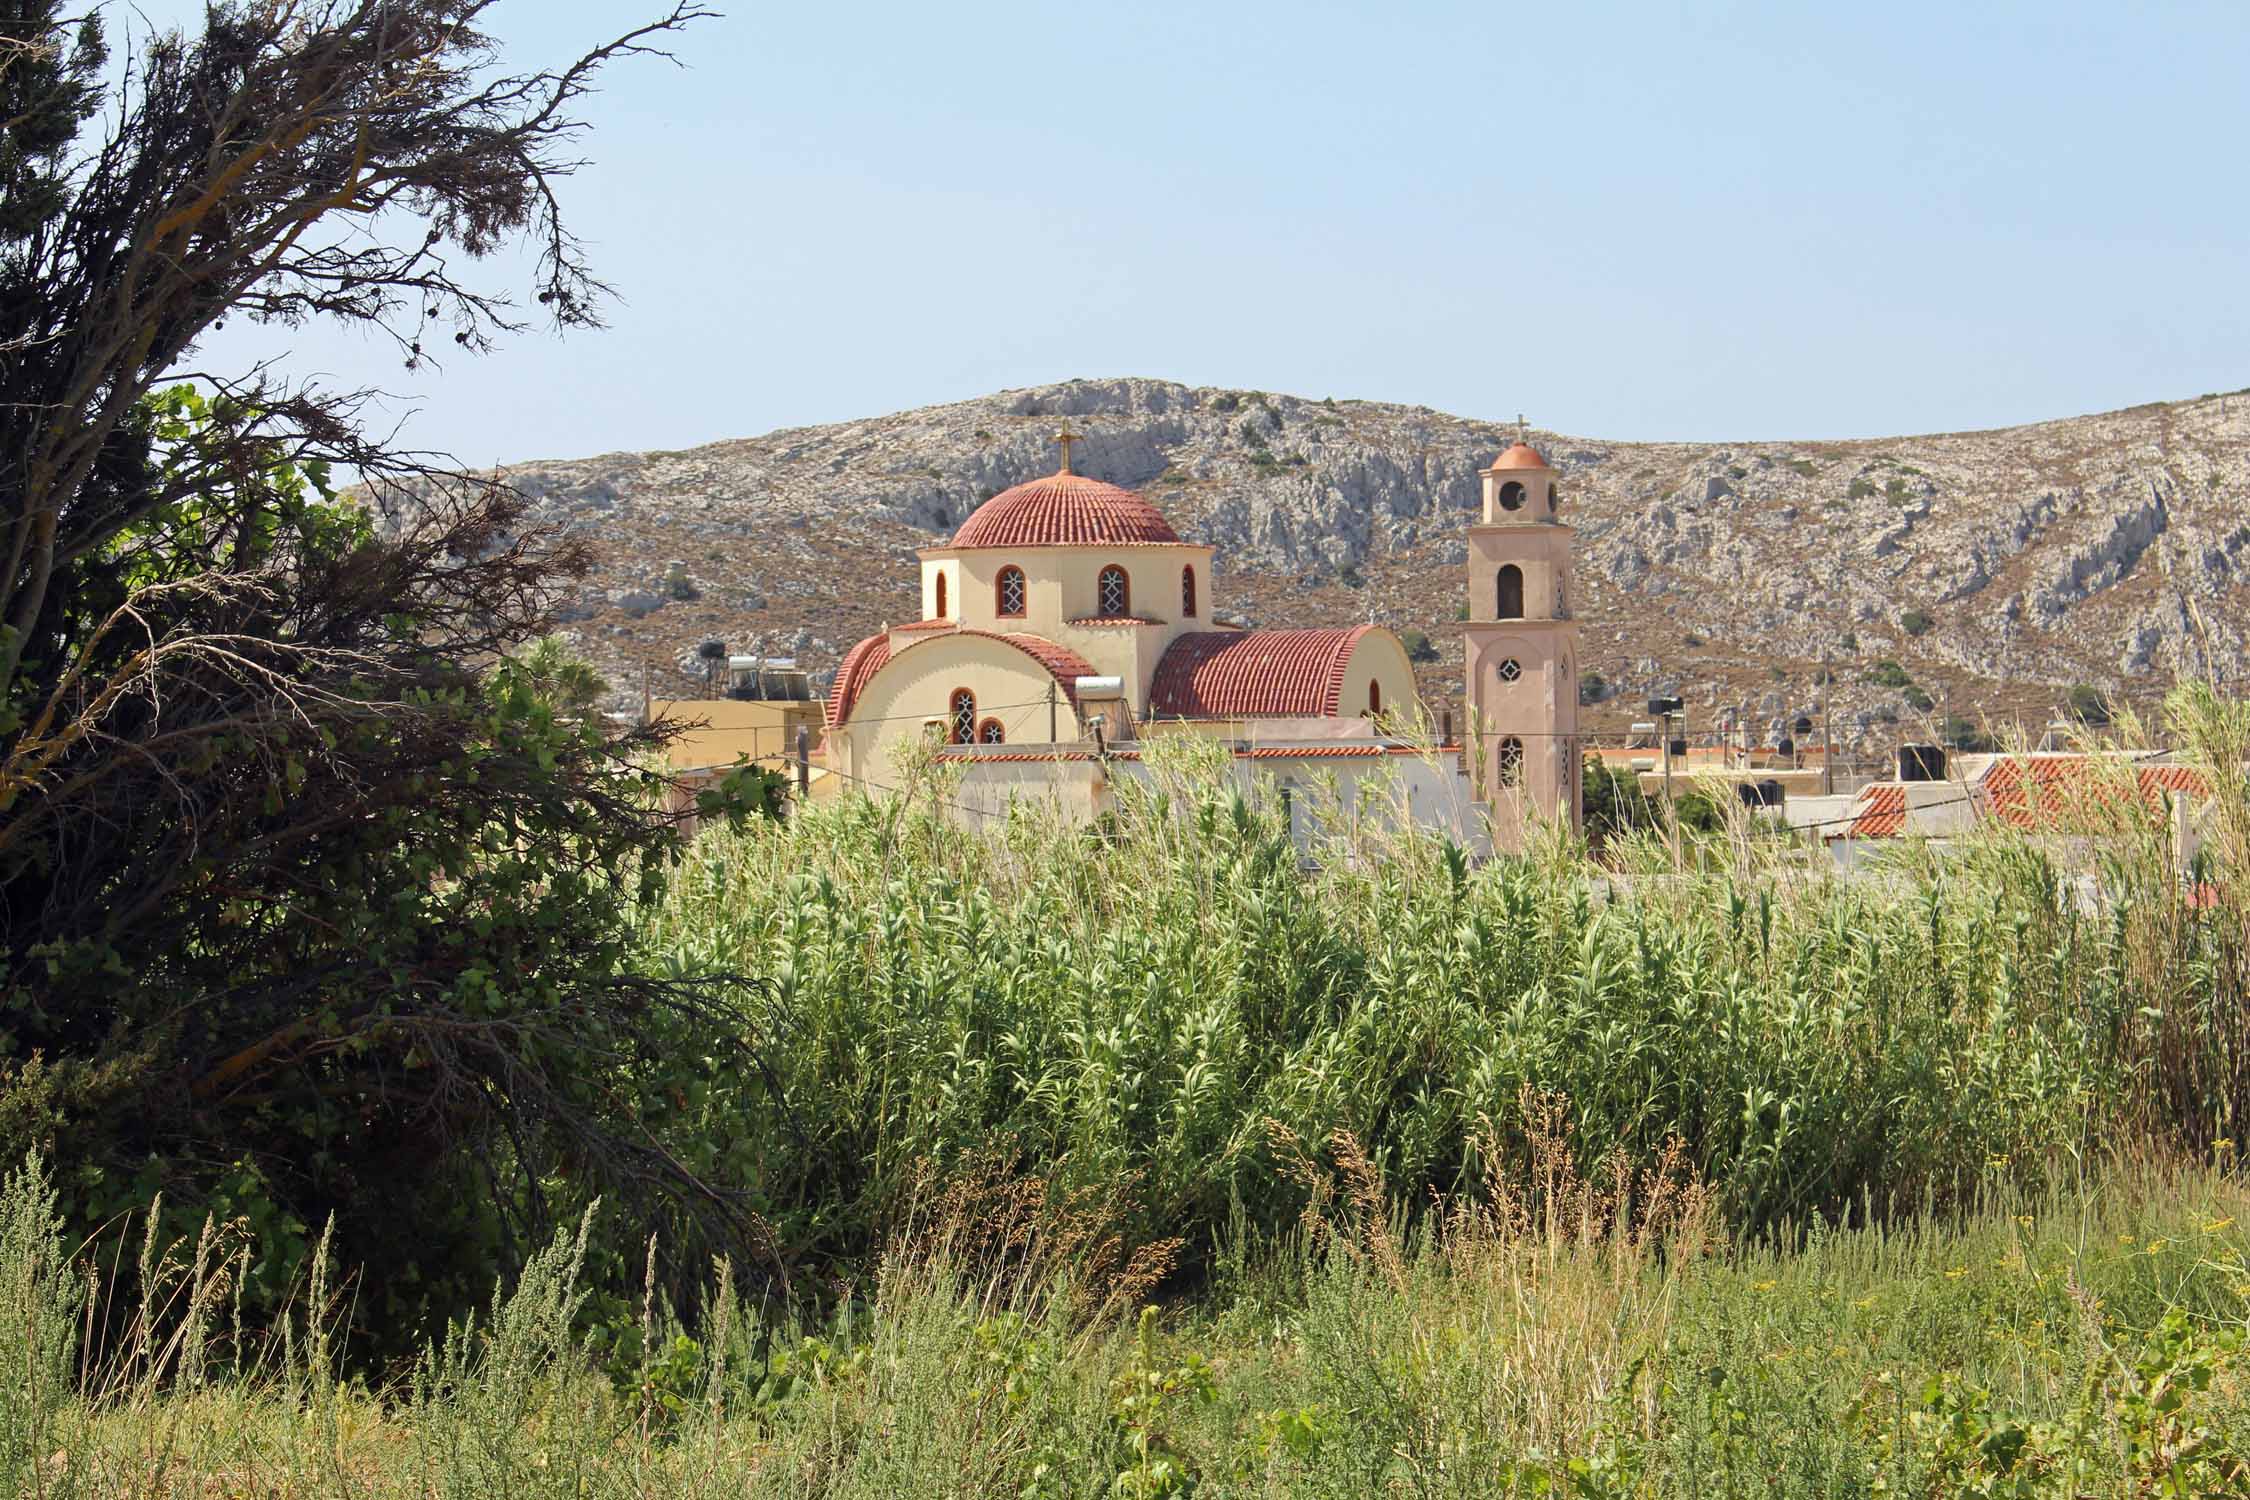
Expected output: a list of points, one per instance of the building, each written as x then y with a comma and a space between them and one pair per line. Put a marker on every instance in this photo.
1521, 647
1066, 612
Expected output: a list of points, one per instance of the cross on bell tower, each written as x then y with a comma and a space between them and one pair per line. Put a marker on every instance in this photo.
1522, 649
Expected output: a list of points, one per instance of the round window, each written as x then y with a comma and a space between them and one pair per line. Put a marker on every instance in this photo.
1510, 669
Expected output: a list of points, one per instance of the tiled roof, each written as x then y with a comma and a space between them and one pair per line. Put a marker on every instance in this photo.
860, 663
1880, 812
929, 625
1521, 456
2040, 789
1064, 510
1114, 620
1233, 674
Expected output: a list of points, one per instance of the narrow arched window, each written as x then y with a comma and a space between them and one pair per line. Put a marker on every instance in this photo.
1008, 594
963, 724
1511, 761
990, 733
1509, 603
1187, 593
1374, 697
940, 598
1114, 592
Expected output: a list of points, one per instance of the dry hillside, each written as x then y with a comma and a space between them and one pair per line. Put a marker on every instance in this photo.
1995, 569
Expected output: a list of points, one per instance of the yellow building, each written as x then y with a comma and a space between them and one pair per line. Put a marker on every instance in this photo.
1065, 606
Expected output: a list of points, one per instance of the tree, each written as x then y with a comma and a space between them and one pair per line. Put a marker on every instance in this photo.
315, 893
1418, 646
1615, 804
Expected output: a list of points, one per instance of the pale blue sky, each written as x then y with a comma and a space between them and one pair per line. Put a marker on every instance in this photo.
1626, 220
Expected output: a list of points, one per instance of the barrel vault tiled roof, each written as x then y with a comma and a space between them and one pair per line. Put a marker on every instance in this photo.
1233, 674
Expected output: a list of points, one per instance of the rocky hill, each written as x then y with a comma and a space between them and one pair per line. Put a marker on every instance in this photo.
1978, 573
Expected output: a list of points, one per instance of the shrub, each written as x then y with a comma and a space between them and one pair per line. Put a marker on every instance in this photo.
2089, 705
1860, 489
1915, 623
1888, 674
1916, 698
1419, 647
1593, 687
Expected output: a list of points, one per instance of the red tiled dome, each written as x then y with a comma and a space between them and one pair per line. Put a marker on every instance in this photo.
1064, 510
1522, 456
1229, 674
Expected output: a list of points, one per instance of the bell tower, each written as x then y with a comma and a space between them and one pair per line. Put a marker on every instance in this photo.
1522, 650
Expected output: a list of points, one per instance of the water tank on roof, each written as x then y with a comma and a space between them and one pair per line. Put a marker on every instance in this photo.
1921, 763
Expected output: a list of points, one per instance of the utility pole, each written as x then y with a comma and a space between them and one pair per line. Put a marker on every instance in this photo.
1827, 732
1053, 732
804, 765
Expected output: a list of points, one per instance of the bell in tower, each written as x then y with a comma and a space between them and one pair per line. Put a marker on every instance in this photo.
1522, 650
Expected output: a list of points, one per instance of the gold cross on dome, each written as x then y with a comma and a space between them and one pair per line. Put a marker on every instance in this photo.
1522, 436
1065, 438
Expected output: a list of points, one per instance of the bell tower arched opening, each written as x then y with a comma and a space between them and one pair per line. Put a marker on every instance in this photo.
1507, 603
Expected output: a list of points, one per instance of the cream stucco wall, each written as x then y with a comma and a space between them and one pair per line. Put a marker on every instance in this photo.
918, 683
1062, 584
1328, 796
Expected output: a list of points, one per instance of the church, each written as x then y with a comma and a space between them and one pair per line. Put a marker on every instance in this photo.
1066, 624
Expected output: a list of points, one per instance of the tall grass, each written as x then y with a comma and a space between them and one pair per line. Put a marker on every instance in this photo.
1148, 1004
2058, 1344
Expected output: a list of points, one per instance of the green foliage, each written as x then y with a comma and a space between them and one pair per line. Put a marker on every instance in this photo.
1915, 623
1917, 698
1964, 734
1593, 687
1859, 489
1613, 805
1888, 674
2089, 705
1419, 647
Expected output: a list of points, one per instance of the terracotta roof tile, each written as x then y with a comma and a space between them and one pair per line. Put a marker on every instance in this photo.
1064, 510
2041, 790
1115, 620
1880, 812
1232, 674
860, 663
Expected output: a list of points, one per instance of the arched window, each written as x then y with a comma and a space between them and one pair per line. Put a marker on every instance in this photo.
1509, 603
1114, 593
1511, 761
962, 726
1187, 593
990, 733
1511, 495
1554, 497
940, 597
1374, 697
1008, 594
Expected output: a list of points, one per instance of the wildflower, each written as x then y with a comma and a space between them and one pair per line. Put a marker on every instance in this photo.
2024, 1220
1763, 1286
1956, 1273
2216, 1225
